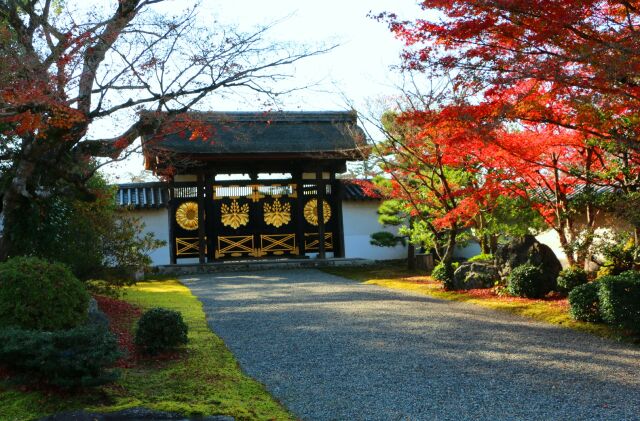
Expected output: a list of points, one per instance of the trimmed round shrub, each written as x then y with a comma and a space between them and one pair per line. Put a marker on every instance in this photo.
160, 330
78, 357
36, 294
525, 281
620, 300
570, 278
584, 304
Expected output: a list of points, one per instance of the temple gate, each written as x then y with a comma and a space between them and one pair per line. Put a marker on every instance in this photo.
215, 217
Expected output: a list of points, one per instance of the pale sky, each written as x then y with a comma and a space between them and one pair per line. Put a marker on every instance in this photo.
356, 74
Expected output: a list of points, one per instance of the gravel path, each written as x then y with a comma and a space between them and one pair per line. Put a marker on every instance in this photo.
334, 349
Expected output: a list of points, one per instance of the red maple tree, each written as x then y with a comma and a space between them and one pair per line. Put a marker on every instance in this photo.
543, 100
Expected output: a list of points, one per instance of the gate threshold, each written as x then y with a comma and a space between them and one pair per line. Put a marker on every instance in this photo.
250, 265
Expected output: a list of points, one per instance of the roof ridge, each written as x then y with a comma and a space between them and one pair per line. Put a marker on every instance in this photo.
277, 115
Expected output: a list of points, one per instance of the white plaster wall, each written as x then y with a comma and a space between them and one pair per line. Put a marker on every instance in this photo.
360, 220
471, 249
552, 239
156, 221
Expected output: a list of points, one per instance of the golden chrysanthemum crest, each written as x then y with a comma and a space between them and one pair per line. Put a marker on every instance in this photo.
311, 211
187, 216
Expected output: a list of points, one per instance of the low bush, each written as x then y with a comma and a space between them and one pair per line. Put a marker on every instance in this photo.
570, 278
444, 274
439, 272
36, 294
620, 300
525, 281
78, 357
160, 330
584, 304
482, 257
604, 271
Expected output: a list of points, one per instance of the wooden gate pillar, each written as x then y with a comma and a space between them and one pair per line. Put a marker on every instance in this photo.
338, 236
321, 186
202, 255
300, 238
171, 210
210, 227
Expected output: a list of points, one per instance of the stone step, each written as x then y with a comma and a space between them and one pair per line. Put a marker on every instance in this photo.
264, 264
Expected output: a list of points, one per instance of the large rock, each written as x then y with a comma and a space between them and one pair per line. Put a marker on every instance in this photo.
529, 250
475, 275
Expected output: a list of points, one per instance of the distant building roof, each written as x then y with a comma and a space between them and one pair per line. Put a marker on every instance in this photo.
311, 135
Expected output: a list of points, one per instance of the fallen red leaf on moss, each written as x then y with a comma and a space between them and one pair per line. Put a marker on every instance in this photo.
491, 293
122, 318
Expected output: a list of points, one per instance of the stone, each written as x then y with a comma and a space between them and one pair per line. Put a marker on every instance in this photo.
131, 414
529, 250
472, 275
95, 316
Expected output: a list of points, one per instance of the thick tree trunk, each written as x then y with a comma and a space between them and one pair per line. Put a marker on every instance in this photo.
14, 199
485, 244
447, 258
12, 203
564, 244
493, 244
411, 257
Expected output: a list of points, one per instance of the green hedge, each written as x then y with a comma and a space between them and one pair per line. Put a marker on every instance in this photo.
525, 281
584, 302
620, 300
77, 357
36, 294
570, 278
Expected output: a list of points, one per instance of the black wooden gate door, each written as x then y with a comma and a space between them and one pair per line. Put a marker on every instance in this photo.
253, 220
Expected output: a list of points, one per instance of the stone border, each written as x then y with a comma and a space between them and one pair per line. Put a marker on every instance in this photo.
251, 265
131, 414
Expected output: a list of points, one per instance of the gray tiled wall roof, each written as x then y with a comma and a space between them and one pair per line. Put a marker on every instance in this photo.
155, 194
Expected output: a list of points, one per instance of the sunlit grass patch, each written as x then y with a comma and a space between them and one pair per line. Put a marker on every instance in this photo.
207, 381
552, 311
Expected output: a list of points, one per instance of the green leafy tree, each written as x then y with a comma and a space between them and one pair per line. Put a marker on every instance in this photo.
94, 238
509, 217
